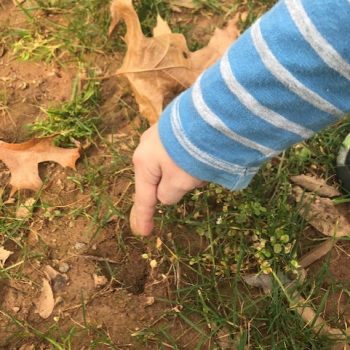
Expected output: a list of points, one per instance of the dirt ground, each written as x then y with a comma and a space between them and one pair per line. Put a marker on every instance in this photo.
127, 299
124, 303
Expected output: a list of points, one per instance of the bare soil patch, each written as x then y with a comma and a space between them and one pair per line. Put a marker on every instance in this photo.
79, 245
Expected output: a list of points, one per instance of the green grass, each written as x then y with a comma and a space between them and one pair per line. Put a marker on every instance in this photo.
256, 229
62, 30
78, 119
55, 338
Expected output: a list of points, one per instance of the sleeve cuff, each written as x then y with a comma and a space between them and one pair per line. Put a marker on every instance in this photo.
191, 164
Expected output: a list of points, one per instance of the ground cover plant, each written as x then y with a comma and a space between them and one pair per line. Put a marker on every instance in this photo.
72, 276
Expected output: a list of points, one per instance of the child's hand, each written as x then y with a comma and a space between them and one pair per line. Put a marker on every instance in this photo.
157, 177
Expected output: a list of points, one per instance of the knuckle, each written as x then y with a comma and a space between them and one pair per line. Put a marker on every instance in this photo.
137, 157
182, 186
166, 201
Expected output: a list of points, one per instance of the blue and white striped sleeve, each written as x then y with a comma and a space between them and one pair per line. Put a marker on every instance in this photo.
284, 79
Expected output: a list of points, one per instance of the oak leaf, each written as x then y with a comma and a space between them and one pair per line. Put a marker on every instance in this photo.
4, 254
160, 67
317, 185
323, 214
22, 159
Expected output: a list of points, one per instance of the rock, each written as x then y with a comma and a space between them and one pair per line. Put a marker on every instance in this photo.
149, 301
79, 245
59, 282
99, 281
63, 267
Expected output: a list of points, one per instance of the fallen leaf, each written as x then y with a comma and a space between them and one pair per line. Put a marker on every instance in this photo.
259, 281
46, 300
189, 4
27, 347
22, 159
24, 211
316, 253
317, 185
218, 44
327, 217
50, 272
160, 67
4, 254
18, 2
262, 281
32, 237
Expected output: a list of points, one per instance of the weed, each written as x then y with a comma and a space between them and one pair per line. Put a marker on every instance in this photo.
236, 233
47, 37
57, 338
75, 120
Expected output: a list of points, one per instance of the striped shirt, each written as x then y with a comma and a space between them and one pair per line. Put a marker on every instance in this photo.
284, 79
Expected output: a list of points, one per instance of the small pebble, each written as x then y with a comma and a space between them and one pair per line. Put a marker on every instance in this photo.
79, 245
99, 281
63, 267
15, 309
59, 282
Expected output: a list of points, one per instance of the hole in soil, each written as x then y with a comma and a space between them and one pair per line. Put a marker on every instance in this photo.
132, 274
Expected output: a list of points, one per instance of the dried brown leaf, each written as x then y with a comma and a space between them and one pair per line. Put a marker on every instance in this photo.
189, 4
46, 300
27, 347
317, 185
317, 253
33, 237
259, 281
50, 273
4, 254
22, 159
327, 217
160, 67
219, 42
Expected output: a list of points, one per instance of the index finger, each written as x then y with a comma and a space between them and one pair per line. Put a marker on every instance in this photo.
141, 216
